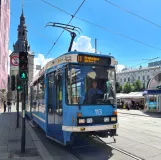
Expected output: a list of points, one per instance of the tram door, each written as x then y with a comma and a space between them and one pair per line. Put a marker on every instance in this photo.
58, 109
50, 107
55, 106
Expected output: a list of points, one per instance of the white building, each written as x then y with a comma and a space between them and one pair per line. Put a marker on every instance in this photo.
144, 74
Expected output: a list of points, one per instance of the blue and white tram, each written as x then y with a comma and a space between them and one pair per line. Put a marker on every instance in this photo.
58, 97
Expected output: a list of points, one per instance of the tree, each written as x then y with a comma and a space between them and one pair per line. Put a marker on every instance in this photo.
118, 87
127, 88
137, 85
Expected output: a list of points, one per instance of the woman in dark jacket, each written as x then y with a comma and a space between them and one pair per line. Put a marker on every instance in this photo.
4, 104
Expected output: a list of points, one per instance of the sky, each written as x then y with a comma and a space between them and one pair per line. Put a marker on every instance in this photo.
115, 22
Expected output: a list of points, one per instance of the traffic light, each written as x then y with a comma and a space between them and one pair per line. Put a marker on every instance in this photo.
23, 65
12, 82
19, 84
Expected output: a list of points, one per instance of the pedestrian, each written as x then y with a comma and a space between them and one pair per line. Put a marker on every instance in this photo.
9, 106
4, 105
129, 104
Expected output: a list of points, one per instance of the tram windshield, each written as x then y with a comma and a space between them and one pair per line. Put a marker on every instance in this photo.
90, 85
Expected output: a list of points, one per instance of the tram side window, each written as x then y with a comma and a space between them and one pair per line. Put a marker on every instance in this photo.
59, 93
74, 85
50, 91
35, 95
40, 92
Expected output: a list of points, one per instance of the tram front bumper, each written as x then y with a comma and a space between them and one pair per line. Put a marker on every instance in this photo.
90, 128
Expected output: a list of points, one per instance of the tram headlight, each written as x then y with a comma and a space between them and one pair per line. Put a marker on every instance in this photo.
106, 119
89, 120
113, 119
81, 120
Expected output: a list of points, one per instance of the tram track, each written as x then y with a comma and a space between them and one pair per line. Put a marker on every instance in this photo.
126, 153
122, 151
98, 152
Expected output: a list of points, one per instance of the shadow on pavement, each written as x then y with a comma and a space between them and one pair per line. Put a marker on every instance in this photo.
84, 149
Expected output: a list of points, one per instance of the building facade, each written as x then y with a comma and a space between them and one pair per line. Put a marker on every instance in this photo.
4, 40
21, 45
144, 74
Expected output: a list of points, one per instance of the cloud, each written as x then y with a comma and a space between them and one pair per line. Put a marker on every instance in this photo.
83, 44
119, 67
40, 60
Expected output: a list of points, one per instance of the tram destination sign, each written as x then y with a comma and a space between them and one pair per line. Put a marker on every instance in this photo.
81, 58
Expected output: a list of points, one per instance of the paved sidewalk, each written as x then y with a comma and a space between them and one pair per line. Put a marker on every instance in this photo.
140, 113
10, 141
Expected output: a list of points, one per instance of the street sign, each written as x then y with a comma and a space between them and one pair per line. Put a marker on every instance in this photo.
14, 60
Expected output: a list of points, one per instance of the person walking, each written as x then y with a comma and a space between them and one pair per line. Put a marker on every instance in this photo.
9, 106
129, 104
4, 105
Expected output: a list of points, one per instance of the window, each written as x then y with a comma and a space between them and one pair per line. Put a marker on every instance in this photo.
58, 78
74, 86
50, 91
40, 93
128, 79
19, 34
124, 79
90, 82
139, 78
143, 77
35, 96
121, 80
148, 77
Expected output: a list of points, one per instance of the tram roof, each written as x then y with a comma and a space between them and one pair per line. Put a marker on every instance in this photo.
68, 57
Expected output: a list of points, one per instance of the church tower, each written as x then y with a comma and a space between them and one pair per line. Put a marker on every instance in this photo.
22, 42
21, 45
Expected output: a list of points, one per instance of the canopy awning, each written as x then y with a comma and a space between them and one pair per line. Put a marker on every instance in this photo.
152, 92
131, 95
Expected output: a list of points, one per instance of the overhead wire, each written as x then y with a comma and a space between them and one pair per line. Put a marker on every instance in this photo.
102, 27
64, 28
145, 62
134, 14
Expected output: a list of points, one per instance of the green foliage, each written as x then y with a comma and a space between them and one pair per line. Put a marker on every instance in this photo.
118, 87
127, 88
137, 86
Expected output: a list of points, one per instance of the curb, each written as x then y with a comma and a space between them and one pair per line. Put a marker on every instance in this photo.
39, 145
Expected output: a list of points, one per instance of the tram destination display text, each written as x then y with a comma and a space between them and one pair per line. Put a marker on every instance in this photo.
94, 60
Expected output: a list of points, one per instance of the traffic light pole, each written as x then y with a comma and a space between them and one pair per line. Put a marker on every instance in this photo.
17, 106
23, 137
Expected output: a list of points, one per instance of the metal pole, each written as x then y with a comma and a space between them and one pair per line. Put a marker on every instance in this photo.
23, 137
17, 105
95, 45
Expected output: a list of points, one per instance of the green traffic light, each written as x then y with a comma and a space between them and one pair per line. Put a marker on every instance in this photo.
18, 87
23, 75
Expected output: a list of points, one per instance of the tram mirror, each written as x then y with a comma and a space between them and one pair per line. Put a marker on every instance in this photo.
92, 75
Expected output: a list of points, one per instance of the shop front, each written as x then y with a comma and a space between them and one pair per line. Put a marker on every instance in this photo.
153, 94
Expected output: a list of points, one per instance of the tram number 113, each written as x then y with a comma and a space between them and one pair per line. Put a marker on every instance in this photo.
98, 111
